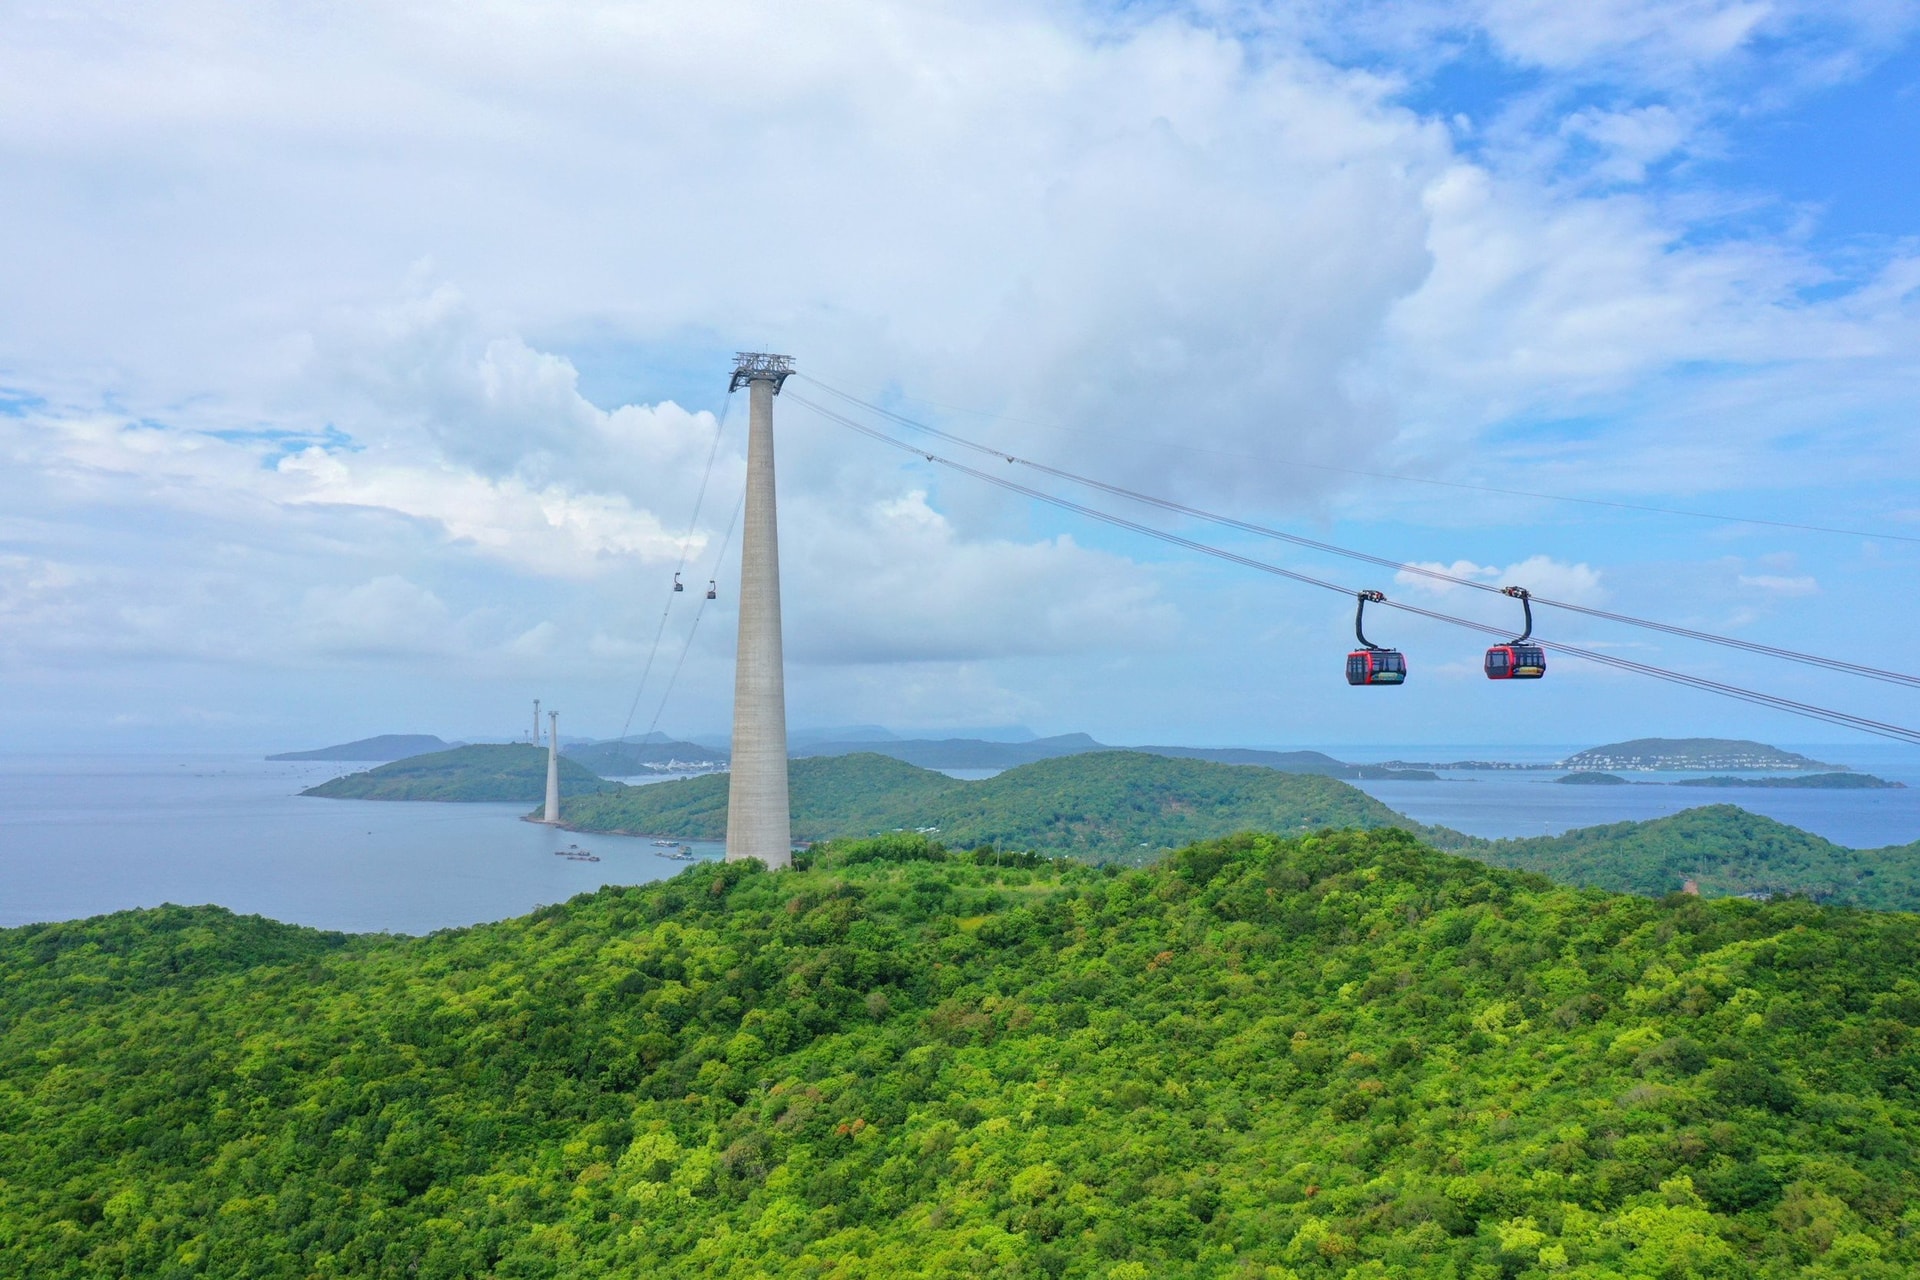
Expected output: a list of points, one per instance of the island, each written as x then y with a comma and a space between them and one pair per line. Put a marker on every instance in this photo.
387, 746
1800, 781
514, 772
1590, 779
1688, 755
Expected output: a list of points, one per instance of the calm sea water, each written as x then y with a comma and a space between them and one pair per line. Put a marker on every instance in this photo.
1527, 803
82, 835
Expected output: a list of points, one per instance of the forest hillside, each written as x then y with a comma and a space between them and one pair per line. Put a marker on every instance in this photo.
1339, 1055
1130, 807
1108, 806
1726, 851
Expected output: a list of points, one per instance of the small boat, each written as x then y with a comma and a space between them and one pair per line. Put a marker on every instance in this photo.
663, 844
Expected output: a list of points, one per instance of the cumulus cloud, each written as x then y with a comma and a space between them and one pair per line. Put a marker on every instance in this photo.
894, 581
1780, 584
1542, 575
314, 381
387, 617
1628, 140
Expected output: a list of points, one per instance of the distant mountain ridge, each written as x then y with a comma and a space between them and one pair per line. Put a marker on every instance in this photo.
386, 746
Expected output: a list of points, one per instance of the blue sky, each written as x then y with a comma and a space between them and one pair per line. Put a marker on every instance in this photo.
360, 377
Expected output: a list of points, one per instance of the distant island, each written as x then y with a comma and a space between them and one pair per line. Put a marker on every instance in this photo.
1594, 780
1691, 754
1811, 781
499, 772
387, 746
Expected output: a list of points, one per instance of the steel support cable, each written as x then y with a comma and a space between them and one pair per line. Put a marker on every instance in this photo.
1460, 484
1879, 728
1701, 683
698, 613
1707, 637
719, 429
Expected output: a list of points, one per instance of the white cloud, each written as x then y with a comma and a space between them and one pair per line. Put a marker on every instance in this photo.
1668, 35
1203, 257
1781, 585
387, 617
1541, 575
1630, 140
894, 581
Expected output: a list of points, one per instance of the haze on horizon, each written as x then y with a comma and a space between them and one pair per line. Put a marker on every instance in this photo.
358, 373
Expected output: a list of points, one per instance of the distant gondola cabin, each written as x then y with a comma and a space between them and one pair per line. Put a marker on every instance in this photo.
1516, 662
1376, 666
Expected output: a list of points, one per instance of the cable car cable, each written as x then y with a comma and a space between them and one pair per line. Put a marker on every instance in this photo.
719, 430
1775, 702
1708, 637
1754, 696
699, 610
1432, 480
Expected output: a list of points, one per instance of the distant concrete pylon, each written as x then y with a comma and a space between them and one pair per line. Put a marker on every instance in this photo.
758, 825
536, 723
552, 815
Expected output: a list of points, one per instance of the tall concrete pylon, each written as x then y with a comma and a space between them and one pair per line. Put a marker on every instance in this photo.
552, 815
536, 723
757, 820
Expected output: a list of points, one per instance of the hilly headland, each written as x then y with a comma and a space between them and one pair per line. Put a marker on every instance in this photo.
500, 772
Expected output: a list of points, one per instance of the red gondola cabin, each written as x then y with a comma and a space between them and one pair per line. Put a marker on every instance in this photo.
1370, 664
1516, 662
1376, 666
1517, 659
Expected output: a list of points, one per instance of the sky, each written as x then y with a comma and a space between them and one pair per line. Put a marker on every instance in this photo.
363, 368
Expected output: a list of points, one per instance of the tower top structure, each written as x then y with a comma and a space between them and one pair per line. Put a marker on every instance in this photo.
758, 366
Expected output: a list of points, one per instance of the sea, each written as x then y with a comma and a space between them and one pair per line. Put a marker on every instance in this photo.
81, 835
1497, 803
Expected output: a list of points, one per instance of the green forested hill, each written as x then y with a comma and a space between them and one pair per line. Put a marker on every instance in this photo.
1107, 806
497, 772
1120, 806
1726, 850
1341, 1055
828, 796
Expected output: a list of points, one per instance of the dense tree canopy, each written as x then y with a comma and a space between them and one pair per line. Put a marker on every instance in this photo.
1726, 851
1342, 1054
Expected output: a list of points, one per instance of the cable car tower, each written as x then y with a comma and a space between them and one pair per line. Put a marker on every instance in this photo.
758, 825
